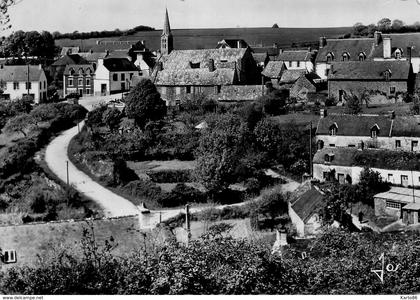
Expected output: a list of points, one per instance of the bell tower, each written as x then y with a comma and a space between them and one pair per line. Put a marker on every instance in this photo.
166, 39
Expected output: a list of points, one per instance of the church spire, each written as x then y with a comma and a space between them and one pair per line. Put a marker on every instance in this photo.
166, 40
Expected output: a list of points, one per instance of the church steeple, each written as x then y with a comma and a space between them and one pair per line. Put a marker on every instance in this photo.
166, 40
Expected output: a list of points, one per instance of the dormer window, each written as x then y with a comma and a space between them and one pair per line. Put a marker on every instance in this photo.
330, 57
195, 65
398, 53
345, 56
333, 129
374, 131
329, 157
362, 56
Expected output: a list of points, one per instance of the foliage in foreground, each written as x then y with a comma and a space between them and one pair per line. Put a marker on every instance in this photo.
335, 263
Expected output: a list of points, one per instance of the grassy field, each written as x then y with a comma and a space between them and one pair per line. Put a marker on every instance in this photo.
144, 166
208, 38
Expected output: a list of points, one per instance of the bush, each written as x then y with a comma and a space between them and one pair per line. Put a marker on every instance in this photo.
143, 188
170, 176
181, 195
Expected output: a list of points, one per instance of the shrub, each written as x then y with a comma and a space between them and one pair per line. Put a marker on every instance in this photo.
143, 188
181, 195
170, 176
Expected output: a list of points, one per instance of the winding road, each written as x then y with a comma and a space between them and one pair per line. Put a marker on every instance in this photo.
113, 205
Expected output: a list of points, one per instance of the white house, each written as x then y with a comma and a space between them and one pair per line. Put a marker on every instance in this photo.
15, 81
113, 75
297, 59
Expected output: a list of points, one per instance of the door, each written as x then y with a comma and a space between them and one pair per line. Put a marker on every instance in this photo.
404, 180
103, 89
414, 145
123, 86
340, 95
80, 93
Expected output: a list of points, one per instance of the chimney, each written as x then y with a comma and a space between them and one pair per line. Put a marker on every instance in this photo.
387, 47
322, 42
409, 54
378, 37
211, 65
323, 112
275, 45
280, 51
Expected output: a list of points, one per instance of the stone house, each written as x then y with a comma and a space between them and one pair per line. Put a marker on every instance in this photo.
305, 85
397, 133
411, 213
384, 81
17, 81
113, 75
304, 208
290, 77
381, 47
56, 70
79, 79
298, 59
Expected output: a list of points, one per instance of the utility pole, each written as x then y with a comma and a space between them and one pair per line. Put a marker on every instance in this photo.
67, 169
310, 149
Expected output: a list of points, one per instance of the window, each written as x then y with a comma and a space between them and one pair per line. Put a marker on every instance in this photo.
398, 53
9, 256
80, 82
329, 157
28, 85
387, 75
332, 145
404, 180
362, 56
397, 144
88, 91
131, 76
188, 89
218, 89
333, 129
341, 178
392, 90
351, 146
330, 57
87, 81
70, 81
374, 131
195, 65
393, 205
178, 90
290, 63
163, 90
298, 64
390, 178
115, 77
15, 85
122, 77
40, 85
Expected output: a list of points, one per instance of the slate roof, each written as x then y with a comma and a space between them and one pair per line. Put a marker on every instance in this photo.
400, 194
308, 202
273, 69
401, 40
369, 70
360, 125
343, 156
20, 73
72, 59
181, 59
196, 77
271, 51
353, 46
355, 125
412, 206
295, 55
76, 68
119, 65
290, 76
260, 57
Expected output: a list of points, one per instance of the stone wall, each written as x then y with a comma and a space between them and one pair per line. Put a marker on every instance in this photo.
382, 210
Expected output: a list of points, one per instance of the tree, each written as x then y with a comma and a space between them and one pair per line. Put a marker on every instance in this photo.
20, 124
144, 103
4, 16
275, 25
397, 25
217, 153
384, 25
112, 118
360, 30
353, 104
44, 112
94, 117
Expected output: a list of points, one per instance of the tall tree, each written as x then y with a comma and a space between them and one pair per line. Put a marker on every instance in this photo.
384, 24
144, 104
20, 124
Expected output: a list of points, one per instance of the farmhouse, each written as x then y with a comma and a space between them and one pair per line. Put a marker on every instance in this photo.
398, 133
304, 208
392, 202
78, 79
17, 81
273, 71
113, 75
306, 84
382, 80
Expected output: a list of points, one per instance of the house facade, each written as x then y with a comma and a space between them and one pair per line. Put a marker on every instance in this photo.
113, 75
273, 72
391, 203
396, 133
17, 81
298, 59
383, 81
79, 79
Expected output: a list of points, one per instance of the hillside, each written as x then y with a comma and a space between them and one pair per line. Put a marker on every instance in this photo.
208, 38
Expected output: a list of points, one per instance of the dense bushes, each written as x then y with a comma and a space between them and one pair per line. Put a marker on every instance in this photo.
170, 176
335, 263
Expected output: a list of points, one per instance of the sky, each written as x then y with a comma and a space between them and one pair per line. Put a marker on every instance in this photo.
90, 15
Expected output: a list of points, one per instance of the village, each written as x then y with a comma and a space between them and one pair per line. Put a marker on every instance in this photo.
153, 147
